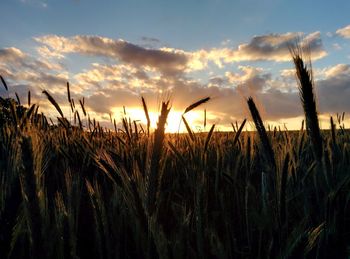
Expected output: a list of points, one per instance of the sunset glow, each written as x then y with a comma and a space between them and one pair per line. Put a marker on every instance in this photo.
173, 122
225, 50
174, 129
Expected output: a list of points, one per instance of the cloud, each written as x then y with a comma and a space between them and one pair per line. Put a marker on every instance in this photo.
277, 96
270, 47
344, 32
11, 56
104, 101
333, 94
24, 73
336, 46
123, 72
339, 70
277, 104
121, 76
39, 3
18, 60
150, 39
174, 62
108, 86
248, 72
149, 42
168, 61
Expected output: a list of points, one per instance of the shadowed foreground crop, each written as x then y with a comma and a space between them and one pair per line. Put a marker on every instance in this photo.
69, 192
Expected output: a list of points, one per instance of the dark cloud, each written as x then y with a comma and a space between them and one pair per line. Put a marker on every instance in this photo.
150, 39
333, 94
11, 55
218, 81
276, 46
169, 62
156, 74
277, 104
270, 47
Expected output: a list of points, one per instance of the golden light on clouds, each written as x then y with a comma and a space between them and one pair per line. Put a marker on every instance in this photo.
114, 73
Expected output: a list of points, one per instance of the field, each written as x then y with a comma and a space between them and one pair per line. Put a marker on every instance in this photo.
73, 192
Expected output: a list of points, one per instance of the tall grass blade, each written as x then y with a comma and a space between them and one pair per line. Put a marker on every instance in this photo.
79, 120
333, 132
53, 102
82, 106
238, 133
207, 140
4, 83
233, 127
146, 113
188, 128
68, 93
18, 100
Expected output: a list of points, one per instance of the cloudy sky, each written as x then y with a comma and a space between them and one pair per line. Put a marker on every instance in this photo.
114, 52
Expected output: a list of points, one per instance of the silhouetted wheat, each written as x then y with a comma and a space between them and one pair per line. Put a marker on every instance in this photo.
188, 128
238, 133
17, 98
145, 109
71, 193
53, 102
207, 140
4, 83
196, 104
307, 96
30, 198
154, 173
268, 152
68, 93
333, 131
82, 105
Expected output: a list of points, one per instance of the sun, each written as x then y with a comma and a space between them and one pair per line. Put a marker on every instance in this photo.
173, 121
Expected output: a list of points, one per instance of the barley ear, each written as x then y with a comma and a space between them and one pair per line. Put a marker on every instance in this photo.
268, 152
53, 102
308, 100
146, 113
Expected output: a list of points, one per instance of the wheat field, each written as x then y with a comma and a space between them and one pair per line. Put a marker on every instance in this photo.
68, 191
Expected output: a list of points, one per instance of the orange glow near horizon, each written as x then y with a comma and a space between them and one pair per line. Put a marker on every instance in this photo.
195, 119
173, 121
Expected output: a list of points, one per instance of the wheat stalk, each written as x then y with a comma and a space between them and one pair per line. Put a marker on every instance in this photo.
146, 113
154, 173
53, 102
268, 152
4, 83
307, 96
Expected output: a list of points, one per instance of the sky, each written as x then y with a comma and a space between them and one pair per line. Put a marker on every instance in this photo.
114, 52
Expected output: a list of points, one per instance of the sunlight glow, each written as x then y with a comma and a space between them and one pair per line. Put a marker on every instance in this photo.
173, 121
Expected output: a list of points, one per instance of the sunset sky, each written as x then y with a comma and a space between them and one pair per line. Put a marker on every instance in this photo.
114, 52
